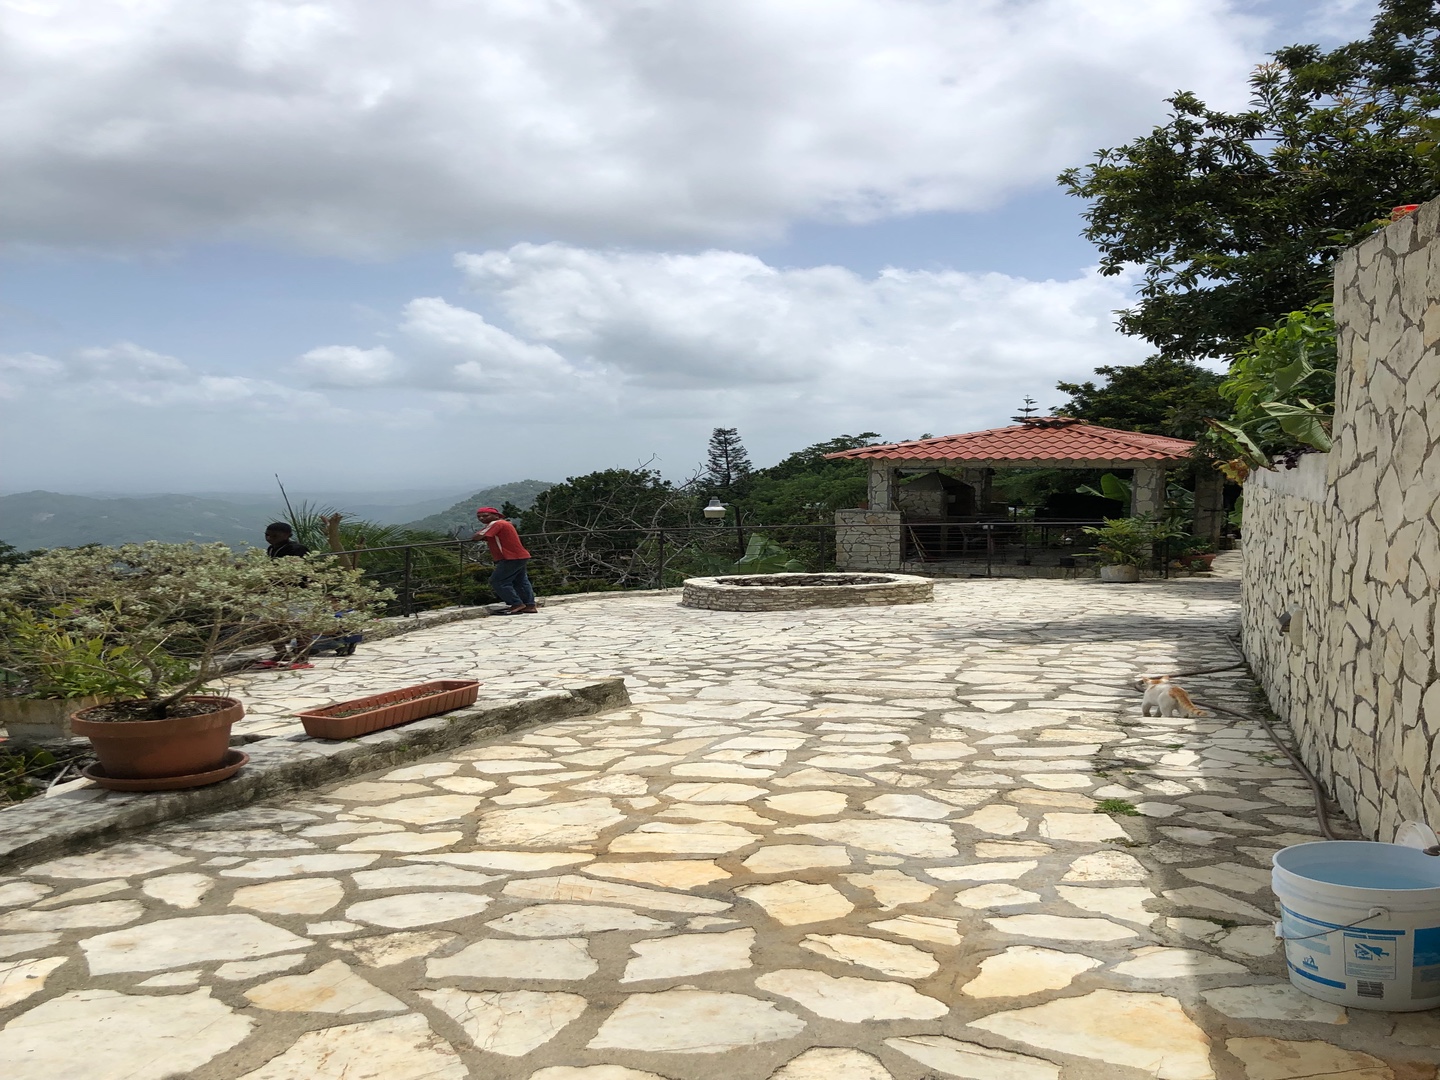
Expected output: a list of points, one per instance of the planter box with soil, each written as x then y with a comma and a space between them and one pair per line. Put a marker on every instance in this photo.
361, 716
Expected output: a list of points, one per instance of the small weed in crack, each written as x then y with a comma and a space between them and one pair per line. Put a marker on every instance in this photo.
1116, 806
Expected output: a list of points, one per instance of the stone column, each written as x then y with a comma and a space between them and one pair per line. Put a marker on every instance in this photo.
1209, 505
868, 540
882, 485
981, 480
1147, 490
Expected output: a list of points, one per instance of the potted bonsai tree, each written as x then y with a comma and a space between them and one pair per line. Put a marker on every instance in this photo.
169, 618
1123, 546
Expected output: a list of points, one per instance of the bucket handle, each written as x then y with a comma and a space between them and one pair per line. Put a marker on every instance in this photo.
1375, 913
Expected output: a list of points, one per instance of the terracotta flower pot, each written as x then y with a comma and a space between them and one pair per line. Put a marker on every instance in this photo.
159, 749
360, 716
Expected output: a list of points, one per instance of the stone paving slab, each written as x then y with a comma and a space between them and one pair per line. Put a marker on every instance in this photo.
858, 844
84, 813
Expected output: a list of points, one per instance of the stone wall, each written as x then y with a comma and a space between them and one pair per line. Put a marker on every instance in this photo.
784, 592
868, 539
1287, 558
922, 499
1355, 557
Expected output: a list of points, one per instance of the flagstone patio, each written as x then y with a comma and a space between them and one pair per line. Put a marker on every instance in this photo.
855, 844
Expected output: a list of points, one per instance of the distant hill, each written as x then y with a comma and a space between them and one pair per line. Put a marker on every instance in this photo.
43, 519
381, 507
462, 515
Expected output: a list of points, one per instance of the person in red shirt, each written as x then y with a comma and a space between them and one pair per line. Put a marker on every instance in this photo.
510, 581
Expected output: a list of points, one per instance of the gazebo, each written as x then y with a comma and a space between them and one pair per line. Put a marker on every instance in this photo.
872, 538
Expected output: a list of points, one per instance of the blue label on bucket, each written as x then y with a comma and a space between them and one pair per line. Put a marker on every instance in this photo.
1369, 957
1302, 933
1313, 977
1425, 978
1427, 946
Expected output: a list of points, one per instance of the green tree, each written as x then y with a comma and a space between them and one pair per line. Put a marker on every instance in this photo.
1162, 396
1235, 218
10, 555
805, 488
1283, 386
599, 529
726, 462
1028, 408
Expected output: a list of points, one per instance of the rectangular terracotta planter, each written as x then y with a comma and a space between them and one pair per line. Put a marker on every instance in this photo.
385, 710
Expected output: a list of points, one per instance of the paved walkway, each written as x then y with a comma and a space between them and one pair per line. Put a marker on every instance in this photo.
924, 841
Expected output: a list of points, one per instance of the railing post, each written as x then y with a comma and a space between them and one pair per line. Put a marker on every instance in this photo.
407, 599
459, 573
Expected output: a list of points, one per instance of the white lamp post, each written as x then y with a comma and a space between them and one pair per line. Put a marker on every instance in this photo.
715, 510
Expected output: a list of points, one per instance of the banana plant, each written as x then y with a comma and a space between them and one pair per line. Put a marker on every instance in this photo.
1283, 387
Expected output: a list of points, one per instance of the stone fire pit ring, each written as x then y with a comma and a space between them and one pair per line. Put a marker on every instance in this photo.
782, 592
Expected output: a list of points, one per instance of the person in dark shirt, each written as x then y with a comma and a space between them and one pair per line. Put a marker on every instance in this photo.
281, 540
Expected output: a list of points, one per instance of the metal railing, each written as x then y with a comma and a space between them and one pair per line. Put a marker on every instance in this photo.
441, 573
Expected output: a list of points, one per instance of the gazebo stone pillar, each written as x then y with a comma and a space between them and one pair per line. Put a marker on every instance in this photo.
868, 540
1147, 490
882, 485
1209, 505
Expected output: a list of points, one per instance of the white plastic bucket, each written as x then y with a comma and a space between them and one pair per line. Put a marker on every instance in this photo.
1361, 923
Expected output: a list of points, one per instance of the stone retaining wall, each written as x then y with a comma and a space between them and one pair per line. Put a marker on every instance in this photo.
1354, 556
46, 826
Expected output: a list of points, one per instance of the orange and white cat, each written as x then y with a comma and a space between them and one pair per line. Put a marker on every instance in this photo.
1166, 698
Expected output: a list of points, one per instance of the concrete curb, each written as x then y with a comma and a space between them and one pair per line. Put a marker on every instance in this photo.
44, 828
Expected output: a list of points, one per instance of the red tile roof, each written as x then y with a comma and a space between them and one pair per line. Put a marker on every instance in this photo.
1048, 438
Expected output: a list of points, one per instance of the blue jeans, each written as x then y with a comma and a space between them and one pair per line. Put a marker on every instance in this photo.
511, 583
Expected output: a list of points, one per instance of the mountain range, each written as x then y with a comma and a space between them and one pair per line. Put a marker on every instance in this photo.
44, 519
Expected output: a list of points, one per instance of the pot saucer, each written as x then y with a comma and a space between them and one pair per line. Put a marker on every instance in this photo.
234, 761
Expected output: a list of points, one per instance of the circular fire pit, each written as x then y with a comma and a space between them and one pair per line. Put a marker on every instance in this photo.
778, 592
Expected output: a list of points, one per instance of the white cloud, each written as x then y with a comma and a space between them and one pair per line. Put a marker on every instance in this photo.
348, 125
126, 362
723, 320
114, 378
465, 352
19, 370
1339, 20
348, 366
653, 339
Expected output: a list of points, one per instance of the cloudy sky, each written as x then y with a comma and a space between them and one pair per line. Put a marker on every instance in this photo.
438, 244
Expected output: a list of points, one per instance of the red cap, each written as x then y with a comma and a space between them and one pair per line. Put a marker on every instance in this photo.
486, 510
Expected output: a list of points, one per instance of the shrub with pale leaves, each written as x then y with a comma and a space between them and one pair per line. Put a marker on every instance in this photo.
180, 610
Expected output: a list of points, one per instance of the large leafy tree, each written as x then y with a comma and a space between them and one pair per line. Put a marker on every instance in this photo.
1162, 396
1235, 218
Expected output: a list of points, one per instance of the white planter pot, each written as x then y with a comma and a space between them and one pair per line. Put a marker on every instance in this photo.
1119, 573
36, 720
